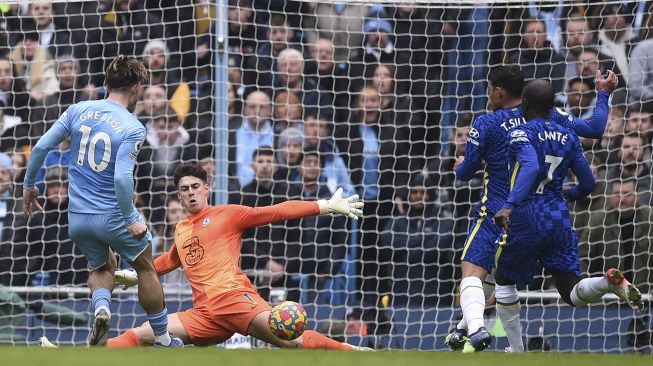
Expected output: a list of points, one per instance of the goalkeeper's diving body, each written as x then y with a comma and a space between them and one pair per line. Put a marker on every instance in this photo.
207, 245
105, 139
487, 141
535, 217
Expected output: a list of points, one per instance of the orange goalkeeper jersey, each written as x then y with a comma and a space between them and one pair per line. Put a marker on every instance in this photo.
207, 244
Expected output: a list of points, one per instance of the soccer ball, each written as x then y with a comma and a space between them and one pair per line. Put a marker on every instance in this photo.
288, 320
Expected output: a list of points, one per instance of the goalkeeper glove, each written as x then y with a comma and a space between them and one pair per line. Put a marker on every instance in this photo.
350, 206
126, 277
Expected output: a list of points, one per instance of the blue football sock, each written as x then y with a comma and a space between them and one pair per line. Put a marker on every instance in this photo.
101, 299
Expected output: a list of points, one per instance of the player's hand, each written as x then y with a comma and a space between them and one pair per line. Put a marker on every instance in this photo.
350, 206
607, 84
126, 277
30, 195
459, 160
502, 218
137, 229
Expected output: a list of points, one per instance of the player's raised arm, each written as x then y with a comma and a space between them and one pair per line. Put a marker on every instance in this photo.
249, 217
581, 168
52, 138
595, 126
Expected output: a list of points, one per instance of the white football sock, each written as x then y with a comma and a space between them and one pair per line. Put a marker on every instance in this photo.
508, 310
589, 290
472, 300
163, 339
488, 290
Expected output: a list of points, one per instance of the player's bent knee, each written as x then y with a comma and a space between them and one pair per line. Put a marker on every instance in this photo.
506, 295
473, 270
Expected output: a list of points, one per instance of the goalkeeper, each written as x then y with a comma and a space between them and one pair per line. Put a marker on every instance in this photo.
207, 246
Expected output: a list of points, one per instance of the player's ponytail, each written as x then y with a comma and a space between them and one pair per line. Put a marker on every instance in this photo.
125, 72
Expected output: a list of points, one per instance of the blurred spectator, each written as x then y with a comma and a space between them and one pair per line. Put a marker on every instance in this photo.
49, 248
242, 31
152, 105
6, 186
537, 57
581, 98
247, 133
55, 158
52, 38
579, 36
467, 35
331, 76
379, 47
111, 28
584, 209
292, 78
167, 143
288, 155
14, 99
550, 15
323, 239
376, 158
260, 70
399, 110
590, 61
267, 248
421, 243
634, 162
155, 58
287, 111
35, 66
340, 23
640, 72
615, 37
639, 120
614, 130
318, 136
69, 93
620, 237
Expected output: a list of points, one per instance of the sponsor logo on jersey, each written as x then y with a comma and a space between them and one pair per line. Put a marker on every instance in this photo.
473, 133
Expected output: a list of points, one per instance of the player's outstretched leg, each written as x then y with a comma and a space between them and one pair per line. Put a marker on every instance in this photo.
144, 335
472, 301
591, 290
150, 295
625, 290
259, 328
101, 283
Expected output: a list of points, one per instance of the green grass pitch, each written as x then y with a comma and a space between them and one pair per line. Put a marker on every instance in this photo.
33, 356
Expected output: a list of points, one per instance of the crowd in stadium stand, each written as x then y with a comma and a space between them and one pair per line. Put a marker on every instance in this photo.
375, 99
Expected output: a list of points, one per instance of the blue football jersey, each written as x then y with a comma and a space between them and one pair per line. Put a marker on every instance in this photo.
488, 141
105, 139
558, 149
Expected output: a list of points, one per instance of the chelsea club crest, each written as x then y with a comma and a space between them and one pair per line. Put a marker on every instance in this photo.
206, 221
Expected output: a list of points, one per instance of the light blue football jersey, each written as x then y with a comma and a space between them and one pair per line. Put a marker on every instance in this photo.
105, 140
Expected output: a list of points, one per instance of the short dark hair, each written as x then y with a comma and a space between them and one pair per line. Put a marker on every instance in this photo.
637, 108
315, 153
578, 79
193, 169
509, 77
623, 181
125, 72
538, 98
263, 150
